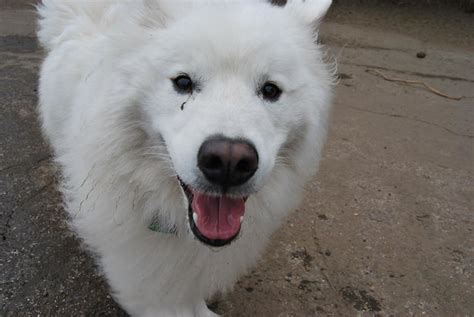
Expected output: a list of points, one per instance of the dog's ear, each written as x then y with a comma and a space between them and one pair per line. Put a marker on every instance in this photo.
309, 11
152, 14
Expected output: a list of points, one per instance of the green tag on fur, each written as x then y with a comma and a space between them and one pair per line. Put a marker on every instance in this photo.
157, 225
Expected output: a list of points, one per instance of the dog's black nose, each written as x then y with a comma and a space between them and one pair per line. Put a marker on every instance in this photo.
227, 162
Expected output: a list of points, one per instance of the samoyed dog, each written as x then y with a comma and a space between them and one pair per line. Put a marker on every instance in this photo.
184, 131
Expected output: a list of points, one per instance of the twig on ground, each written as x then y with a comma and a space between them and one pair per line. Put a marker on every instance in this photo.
412, 82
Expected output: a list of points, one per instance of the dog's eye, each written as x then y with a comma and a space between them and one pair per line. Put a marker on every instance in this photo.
183, 84
270, 92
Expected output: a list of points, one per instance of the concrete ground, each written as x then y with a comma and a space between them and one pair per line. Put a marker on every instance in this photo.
386, 228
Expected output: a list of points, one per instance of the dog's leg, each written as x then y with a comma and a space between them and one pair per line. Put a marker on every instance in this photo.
201, 310
182, 312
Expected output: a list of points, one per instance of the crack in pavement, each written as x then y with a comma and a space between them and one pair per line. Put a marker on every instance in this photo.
410, 72
411, 119
31, 163
342, 44
22, 204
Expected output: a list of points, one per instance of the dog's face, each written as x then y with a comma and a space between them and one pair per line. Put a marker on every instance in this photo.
235, 91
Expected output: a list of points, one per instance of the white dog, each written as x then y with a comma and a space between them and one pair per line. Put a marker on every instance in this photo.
185, 131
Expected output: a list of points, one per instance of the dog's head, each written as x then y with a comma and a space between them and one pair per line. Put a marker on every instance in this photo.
238, 92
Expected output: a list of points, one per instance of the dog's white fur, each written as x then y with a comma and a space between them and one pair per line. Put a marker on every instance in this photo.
109, 110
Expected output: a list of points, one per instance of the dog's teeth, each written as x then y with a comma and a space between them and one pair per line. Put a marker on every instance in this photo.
195, 217
241, 219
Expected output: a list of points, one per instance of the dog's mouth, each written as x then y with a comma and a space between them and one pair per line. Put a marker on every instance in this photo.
214, 220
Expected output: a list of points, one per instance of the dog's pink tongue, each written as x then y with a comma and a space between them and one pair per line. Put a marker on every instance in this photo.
218, 217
